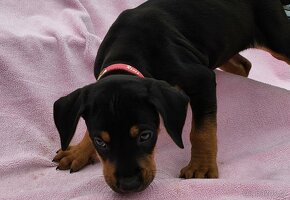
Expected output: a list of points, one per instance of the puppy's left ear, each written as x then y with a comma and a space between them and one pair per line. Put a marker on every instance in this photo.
172, 106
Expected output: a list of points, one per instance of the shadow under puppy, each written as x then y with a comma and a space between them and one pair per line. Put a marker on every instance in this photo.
155, 59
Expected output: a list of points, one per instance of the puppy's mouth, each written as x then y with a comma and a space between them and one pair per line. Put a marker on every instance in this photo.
135, 181
133, 184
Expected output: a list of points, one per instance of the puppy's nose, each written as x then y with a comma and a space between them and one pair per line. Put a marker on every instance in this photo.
130, 184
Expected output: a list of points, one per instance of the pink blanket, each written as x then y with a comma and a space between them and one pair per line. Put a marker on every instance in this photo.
48, 50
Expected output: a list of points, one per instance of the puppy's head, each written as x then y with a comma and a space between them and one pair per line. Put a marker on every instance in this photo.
122, 116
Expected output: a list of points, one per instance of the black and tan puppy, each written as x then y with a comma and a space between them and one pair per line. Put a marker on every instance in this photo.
148, 55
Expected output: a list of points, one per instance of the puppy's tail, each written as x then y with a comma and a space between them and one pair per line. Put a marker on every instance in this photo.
285, 2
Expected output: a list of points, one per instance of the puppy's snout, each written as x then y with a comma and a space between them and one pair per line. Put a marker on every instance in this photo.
129, 184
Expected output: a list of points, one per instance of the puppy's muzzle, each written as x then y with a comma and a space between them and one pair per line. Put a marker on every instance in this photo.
127, 179
130, 184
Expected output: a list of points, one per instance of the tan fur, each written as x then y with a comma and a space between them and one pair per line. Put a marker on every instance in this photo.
109, 171
277, 55
148, 168
237, 65
105, 136
134, 131
203, 152
78, 156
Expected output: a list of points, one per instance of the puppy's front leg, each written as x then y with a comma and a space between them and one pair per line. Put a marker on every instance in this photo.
203, 151
202, 93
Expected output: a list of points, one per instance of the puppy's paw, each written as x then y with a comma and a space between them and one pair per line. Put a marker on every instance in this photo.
200, 170
75, 158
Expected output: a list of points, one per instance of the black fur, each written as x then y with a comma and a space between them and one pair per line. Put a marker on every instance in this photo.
177, 41
181, 41
115, 97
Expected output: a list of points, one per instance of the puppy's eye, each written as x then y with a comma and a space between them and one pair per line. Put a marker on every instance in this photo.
145, 136
100, 143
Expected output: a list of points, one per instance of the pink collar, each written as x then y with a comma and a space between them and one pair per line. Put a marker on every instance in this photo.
124, 67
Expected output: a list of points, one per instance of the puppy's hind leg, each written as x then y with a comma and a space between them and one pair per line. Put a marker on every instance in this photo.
237, 65
274, 29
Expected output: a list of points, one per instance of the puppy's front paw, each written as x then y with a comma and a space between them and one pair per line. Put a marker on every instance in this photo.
200, 169
75, 158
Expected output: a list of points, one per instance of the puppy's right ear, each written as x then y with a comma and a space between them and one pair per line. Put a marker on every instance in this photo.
67, 112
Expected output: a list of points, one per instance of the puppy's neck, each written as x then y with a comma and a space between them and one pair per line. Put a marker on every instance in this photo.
120, 68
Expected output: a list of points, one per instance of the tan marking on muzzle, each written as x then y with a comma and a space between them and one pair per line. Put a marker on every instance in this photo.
109, 170
148, 168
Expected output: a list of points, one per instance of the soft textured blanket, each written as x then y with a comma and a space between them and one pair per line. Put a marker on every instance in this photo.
48, 50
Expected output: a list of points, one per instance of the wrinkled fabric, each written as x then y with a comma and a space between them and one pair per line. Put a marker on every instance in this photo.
48, 50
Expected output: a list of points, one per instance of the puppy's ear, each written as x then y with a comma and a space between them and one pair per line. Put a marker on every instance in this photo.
66, 112
172, 106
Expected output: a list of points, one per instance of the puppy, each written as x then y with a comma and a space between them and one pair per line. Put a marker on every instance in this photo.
155, 59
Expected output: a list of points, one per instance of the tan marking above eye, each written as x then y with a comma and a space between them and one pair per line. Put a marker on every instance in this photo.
134, 131
178, 87
105, 136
